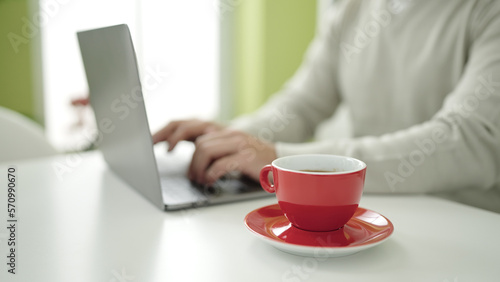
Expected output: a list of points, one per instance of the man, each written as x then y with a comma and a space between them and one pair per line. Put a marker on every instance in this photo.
422, 82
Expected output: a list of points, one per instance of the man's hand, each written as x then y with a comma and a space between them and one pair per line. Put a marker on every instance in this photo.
223, 151
187, 130
218, 150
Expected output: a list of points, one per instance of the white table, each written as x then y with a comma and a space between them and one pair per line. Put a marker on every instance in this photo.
91, 226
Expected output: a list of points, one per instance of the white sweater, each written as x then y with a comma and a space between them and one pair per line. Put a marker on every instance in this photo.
422, 81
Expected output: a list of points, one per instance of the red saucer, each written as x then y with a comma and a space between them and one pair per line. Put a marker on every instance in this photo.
364, 230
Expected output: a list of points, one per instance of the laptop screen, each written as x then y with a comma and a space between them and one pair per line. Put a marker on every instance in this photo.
116, 97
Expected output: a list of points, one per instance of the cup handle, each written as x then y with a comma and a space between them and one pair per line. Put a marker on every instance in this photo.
264, 179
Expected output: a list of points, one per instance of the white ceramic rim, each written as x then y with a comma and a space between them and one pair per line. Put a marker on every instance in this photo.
359, 162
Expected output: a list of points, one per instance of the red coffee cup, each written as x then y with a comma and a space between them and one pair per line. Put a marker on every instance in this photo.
316, 192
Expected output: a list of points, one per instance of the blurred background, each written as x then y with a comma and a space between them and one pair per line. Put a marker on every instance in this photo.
208, 59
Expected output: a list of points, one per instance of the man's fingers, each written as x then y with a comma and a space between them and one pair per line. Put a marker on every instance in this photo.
165, 132
223, 166
208, 151
223, 151
188, 131
212, 134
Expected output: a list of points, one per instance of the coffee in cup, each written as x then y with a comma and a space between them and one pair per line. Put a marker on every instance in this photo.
316, 192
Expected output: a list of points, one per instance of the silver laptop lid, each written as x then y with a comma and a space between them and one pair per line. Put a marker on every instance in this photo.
116, 98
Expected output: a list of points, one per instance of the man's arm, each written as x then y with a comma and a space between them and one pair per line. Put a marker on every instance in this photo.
458, 148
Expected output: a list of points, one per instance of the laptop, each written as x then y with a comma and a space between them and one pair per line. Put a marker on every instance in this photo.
124, 136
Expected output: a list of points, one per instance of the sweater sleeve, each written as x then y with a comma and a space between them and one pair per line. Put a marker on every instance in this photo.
459, 148
308, 98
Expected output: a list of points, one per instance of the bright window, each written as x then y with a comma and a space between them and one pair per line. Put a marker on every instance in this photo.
177, 45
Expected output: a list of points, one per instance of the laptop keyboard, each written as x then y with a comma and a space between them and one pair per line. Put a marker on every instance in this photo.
179, 188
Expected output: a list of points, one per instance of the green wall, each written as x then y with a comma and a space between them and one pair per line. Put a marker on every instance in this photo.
19, 57
271, 38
